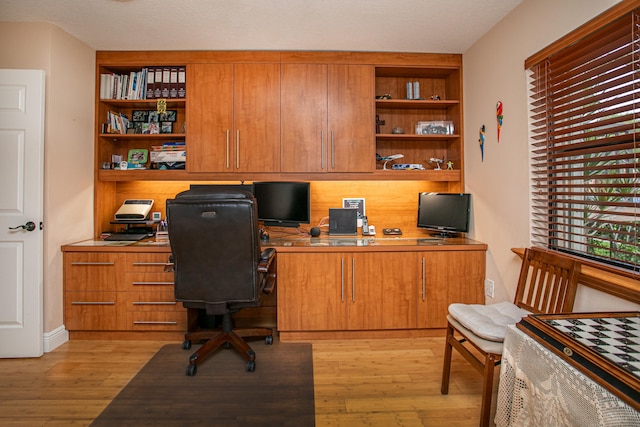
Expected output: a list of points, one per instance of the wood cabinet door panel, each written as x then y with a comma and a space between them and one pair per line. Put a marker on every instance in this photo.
311, 292
304, 118
209, 117
382, 293
448, 277
256, 115
351, 113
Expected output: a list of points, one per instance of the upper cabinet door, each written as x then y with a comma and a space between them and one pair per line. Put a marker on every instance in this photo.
304, 118
209, 117
351, 118
256, 114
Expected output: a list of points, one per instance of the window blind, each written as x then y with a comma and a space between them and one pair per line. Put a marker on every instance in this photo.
584, 106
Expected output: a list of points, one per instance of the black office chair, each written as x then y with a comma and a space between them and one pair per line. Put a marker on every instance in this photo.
219, 267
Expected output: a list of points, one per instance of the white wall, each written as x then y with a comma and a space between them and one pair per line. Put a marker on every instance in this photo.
69, 115
494, 71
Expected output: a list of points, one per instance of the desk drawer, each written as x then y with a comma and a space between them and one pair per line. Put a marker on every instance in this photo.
92, 271
157, 320
152, 301
147, 262
148, 282
91, 311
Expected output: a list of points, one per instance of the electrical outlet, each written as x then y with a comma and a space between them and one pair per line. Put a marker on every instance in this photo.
488, 288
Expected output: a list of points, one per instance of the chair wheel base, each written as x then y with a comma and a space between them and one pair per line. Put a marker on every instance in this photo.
191, 370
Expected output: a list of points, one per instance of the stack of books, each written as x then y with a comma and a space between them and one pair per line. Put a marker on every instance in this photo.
148, 83
116, 123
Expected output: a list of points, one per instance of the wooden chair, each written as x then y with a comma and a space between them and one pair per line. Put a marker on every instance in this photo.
547, 284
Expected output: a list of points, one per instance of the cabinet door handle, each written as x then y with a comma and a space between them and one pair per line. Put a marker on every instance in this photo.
342, 276
322, 151
151, 283
154, 303
93, 302
424, 272
237, 149
227, 149
333, 151
149, 322
149, 263
353, 279
92, 263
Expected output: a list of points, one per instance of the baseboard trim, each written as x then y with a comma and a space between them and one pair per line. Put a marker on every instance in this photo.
55, 338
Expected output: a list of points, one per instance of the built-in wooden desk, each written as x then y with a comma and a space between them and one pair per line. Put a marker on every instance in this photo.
329, 287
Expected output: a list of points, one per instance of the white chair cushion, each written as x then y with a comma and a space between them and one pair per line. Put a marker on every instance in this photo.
487, 321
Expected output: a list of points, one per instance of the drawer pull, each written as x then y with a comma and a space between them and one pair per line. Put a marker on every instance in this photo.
149, 322
152, 283
93, 302
150, 263
92, 263
154, 303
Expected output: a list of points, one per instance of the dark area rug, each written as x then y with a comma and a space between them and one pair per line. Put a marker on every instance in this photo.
222, 393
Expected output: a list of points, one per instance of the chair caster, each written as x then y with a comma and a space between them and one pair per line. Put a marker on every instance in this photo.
192, 369
268, 340
251, 366
186, 344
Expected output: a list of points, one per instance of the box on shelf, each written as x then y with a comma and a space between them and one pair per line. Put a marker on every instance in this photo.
442, 127
172, 156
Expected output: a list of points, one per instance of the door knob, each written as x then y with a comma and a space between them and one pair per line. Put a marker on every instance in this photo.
29, 226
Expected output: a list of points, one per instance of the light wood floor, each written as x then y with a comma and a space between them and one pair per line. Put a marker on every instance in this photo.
357, 383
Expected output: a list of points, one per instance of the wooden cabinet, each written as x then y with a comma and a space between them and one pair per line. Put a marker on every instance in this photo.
149, 297
327, 118
312, 291
234, 118
346, 291
210, 107
383, 291
120, 292
350, 118
91, 299
447, 277
375, 290
304, 118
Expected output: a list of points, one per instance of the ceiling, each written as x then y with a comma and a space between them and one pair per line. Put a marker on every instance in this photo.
438, 26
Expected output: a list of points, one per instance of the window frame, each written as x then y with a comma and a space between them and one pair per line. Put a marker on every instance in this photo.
564, 48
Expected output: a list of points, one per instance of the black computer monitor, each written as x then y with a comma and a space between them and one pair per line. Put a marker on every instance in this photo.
284, 204
445, 213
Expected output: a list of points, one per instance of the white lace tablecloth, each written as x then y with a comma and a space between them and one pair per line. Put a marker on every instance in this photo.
538, 388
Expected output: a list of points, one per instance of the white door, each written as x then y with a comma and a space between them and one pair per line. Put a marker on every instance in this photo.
21, 199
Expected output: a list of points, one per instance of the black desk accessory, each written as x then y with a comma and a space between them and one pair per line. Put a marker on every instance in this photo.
392, 232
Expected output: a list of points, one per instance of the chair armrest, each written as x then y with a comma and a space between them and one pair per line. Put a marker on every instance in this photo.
268, 268
170, 266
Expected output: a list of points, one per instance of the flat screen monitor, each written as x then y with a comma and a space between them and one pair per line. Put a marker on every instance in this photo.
445, 213
283, 204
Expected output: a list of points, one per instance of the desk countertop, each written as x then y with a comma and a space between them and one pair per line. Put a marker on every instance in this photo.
302, 243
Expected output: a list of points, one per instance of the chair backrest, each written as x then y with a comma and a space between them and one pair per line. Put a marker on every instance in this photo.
215, 247
547, 283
